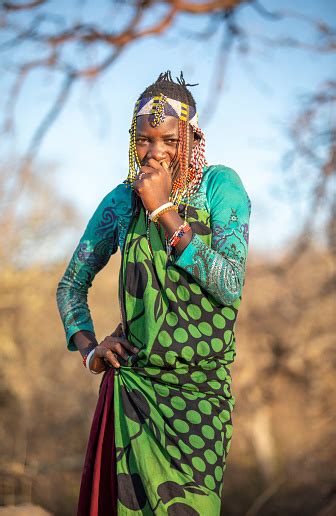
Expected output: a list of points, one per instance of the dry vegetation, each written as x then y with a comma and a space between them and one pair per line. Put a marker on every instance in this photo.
282, 455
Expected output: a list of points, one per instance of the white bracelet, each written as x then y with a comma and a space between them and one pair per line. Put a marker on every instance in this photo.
160, 208
88, 361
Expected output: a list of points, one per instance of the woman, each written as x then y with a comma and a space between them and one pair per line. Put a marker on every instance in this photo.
162, 427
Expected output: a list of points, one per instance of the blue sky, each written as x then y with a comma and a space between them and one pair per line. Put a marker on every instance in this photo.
261, 92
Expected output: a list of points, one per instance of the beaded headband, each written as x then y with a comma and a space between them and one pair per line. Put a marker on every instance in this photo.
161, 106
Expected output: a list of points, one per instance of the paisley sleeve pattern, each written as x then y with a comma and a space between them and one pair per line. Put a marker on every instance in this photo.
220, 269
98, 243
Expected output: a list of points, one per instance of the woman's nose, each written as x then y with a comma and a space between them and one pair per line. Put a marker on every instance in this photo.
157, 151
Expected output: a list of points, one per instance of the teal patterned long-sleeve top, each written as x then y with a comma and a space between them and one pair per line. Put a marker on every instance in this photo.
220, 269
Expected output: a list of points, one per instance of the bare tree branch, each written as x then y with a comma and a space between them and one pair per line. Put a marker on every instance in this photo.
312, 137
50, 44
11, 6
25, 169
327, 47
264, 12
205, 7
14, 92
230, 31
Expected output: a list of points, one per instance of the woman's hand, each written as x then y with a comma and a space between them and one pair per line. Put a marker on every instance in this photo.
154, 184
110, 350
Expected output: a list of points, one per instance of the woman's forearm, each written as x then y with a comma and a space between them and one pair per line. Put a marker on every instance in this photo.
85, 341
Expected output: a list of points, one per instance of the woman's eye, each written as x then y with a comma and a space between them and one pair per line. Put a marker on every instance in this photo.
171, 141
141, 140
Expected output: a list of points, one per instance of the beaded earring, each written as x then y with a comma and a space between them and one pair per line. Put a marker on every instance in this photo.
190, 175
134, 162
180, 183
197, 162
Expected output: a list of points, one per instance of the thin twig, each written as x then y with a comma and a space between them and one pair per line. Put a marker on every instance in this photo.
12, 6
25, 168
260, 501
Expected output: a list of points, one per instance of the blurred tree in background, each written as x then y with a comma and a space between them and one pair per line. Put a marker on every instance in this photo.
282, 457
75, 49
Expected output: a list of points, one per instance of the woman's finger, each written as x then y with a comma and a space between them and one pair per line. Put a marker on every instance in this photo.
112, 343
165, 166
120, 350
154, 164
145, 169
136, 185
111, 358
127, 345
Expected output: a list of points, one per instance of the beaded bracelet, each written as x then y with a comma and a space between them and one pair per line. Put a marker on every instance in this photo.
86, 361
159, 209
168, 208
176, 237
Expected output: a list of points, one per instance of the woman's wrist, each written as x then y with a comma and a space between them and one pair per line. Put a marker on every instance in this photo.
158, 204
97, 364
171, 221
159, 212
85, 341
159, 209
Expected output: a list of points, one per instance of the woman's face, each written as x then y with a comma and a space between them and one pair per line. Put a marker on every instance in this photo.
160, 142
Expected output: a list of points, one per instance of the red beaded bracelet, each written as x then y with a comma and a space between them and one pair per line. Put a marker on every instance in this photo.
85, 359
176, 237
86, 363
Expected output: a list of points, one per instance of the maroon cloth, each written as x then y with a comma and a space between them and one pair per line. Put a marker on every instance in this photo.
98, 491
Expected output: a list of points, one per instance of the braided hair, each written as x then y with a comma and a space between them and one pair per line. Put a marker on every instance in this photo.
174, 90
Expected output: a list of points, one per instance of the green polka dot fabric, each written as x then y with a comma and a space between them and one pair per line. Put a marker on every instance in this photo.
173, 402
